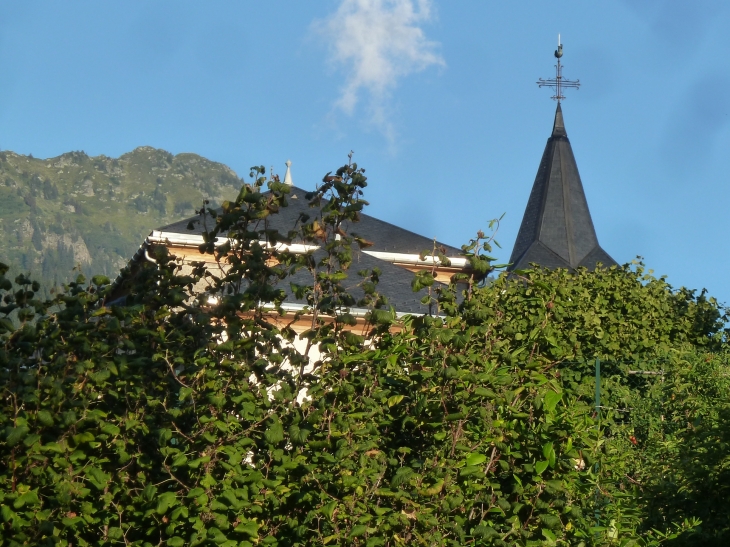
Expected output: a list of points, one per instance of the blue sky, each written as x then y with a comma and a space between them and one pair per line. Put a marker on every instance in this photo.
437, 99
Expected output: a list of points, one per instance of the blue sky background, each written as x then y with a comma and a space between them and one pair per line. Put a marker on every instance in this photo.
443, 109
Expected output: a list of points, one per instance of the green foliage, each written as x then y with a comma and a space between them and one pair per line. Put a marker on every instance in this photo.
673, 426
616, 313
74, 210
188, 417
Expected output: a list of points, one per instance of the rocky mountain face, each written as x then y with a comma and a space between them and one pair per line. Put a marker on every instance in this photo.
92, 213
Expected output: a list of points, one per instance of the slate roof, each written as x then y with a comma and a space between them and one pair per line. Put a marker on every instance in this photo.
386, 237
395, 281
557, 230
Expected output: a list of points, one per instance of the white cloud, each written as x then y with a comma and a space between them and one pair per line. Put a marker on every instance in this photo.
378, 42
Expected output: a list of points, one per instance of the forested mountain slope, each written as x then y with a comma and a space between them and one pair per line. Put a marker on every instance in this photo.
94, 212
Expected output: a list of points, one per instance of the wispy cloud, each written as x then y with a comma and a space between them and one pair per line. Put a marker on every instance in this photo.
377, 43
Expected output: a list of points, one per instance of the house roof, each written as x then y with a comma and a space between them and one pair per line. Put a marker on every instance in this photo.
394, 284
388, 241
386, 237
557, 230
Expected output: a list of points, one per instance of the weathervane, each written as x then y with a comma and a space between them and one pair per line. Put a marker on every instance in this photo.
559, 83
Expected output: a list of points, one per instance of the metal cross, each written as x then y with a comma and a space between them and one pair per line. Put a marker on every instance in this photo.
559, 83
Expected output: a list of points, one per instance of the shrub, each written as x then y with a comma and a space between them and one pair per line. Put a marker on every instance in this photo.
171, 421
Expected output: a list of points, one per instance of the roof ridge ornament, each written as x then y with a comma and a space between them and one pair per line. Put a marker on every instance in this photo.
287, 175
559, 83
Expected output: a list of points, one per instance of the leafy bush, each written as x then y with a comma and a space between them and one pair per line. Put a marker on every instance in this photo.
682, 451
174, 421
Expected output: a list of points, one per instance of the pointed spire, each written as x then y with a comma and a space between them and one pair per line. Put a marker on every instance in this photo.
559, 124
287, 176
557, 230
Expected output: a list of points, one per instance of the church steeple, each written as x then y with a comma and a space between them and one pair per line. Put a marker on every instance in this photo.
557, 230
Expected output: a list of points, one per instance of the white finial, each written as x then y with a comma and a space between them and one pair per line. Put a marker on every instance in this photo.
287, 176
558, 39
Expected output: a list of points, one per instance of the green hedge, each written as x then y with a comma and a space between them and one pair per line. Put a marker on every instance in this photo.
170, 421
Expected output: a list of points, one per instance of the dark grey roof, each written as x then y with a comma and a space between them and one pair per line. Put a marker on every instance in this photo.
557, 230
385, 237
394, 284
395, 281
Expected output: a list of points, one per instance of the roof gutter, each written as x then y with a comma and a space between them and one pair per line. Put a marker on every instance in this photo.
355, 312
417, 260
183, 240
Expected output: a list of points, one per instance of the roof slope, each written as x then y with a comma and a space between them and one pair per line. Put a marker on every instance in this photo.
394, 284
385, 237
395, 281
557, 230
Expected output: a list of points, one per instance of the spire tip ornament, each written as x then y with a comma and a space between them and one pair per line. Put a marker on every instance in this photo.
559, 83
287, 175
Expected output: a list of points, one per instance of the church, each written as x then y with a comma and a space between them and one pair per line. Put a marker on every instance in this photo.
556, 232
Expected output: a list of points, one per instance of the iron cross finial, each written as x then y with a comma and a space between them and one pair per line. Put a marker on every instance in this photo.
559, 83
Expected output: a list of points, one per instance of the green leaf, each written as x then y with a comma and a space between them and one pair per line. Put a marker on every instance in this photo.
82, 438
115, 533
358, 531
29, 498
433, 489
149, 492
484, 392
45, 418
402, 476
470, 470
541, 466
549, 536
275, 433
6, 513
110, 429
298, 435
551, 400
14, 435
30, 440
98, 476
52, 447
394, 400
165, 501
181, 459
194, 464
6, 325
250, 528
475, 458
549, 452
328, 509
486, 532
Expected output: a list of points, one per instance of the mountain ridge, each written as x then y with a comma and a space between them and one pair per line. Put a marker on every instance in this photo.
93, 212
